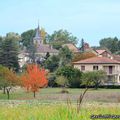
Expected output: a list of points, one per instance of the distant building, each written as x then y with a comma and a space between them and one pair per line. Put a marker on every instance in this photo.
41, 49
110, 66
72, 47
104, 53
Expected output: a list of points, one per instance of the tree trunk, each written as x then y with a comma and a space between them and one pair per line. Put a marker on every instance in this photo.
4, 91
34, 94
8, 94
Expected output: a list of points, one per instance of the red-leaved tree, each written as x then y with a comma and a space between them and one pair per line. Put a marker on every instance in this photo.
34, 78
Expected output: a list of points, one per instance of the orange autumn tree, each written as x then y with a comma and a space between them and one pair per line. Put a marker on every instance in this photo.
34, 78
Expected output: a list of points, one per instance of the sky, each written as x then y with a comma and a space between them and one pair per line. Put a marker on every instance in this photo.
88, 19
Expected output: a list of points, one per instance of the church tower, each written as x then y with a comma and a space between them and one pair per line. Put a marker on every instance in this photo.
37, 39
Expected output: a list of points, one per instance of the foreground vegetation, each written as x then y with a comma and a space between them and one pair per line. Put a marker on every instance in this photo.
33, 111
50, 104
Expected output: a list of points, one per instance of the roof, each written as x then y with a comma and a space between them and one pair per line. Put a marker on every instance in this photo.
72, 47
45, 49
100, 51
116, 57
97, 60
37, 34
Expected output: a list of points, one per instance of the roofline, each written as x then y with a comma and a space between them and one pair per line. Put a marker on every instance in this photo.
96, 63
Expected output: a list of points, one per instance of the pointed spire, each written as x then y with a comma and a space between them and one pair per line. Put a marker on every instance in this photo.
38, 23
37, 35
37, 39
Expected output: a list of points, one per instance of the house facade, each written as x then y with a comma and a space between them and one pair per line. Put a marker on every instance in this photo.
110, 66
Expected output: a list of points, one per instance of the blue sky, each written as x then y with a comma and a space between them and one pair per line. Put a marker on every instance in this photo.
88, 19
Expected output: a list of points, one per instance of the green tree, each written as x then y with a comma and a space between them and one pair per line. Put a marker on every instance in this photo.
65, 56
63, 82
31, 49
60, 37
52, 63
72, 74
9, 52
27, 37
111, 44
93, 78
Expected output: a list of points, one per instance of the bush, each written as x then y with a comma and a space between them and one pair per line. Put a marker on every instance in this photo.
72, 74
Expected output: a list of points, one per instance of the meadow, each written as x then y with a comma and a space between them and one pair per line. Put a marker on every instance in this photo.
50, 104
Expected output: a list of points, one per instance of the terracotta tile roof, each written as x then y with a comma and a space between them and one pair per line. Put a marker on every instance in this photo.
97, 60
72, 47
100, 51
116, 57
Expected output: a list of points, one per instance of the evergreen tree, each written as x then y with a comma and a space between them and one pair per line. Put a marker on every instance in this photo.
9, 53
82, 45
32, 50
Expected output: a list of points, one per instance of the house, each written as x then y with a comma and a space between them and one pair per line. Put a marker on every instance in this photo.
104, 53
110, 66
72, 47
116, 57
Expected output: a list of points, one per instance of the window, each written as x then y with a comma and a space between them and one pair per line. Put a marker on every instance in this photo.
110, 69
82, 68
95, 67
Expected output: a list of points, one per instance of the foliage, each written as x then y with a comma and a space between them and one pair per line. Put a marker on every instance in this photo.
9, 51
82, 45
31, 49
43, 35
72, 74
82, 56
93, 78
27, 36
60, 37
34, 78
52, 63
62, 81
51, 79
113, 44
65, 56
8, 79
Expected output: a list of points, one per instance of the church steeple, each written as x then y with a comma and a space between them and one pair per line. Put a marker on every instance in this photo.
37, 39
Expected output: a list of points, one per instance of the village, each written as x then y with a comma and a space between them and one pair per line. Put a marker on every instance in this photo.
59, 60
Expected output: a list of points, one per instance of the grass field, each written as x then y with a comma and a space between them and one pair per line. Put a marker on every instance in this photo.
50, 104
56, 112
53, 94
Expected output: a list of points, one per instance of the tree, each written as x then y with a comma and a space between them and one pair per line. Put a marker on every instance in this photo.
34, 78
72, 74
60, 37
63, 82
43, 35
9, 52
27, 36
52, 63
93, 78
31, 49
82, 45
111, 44
8, 79
65, 56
